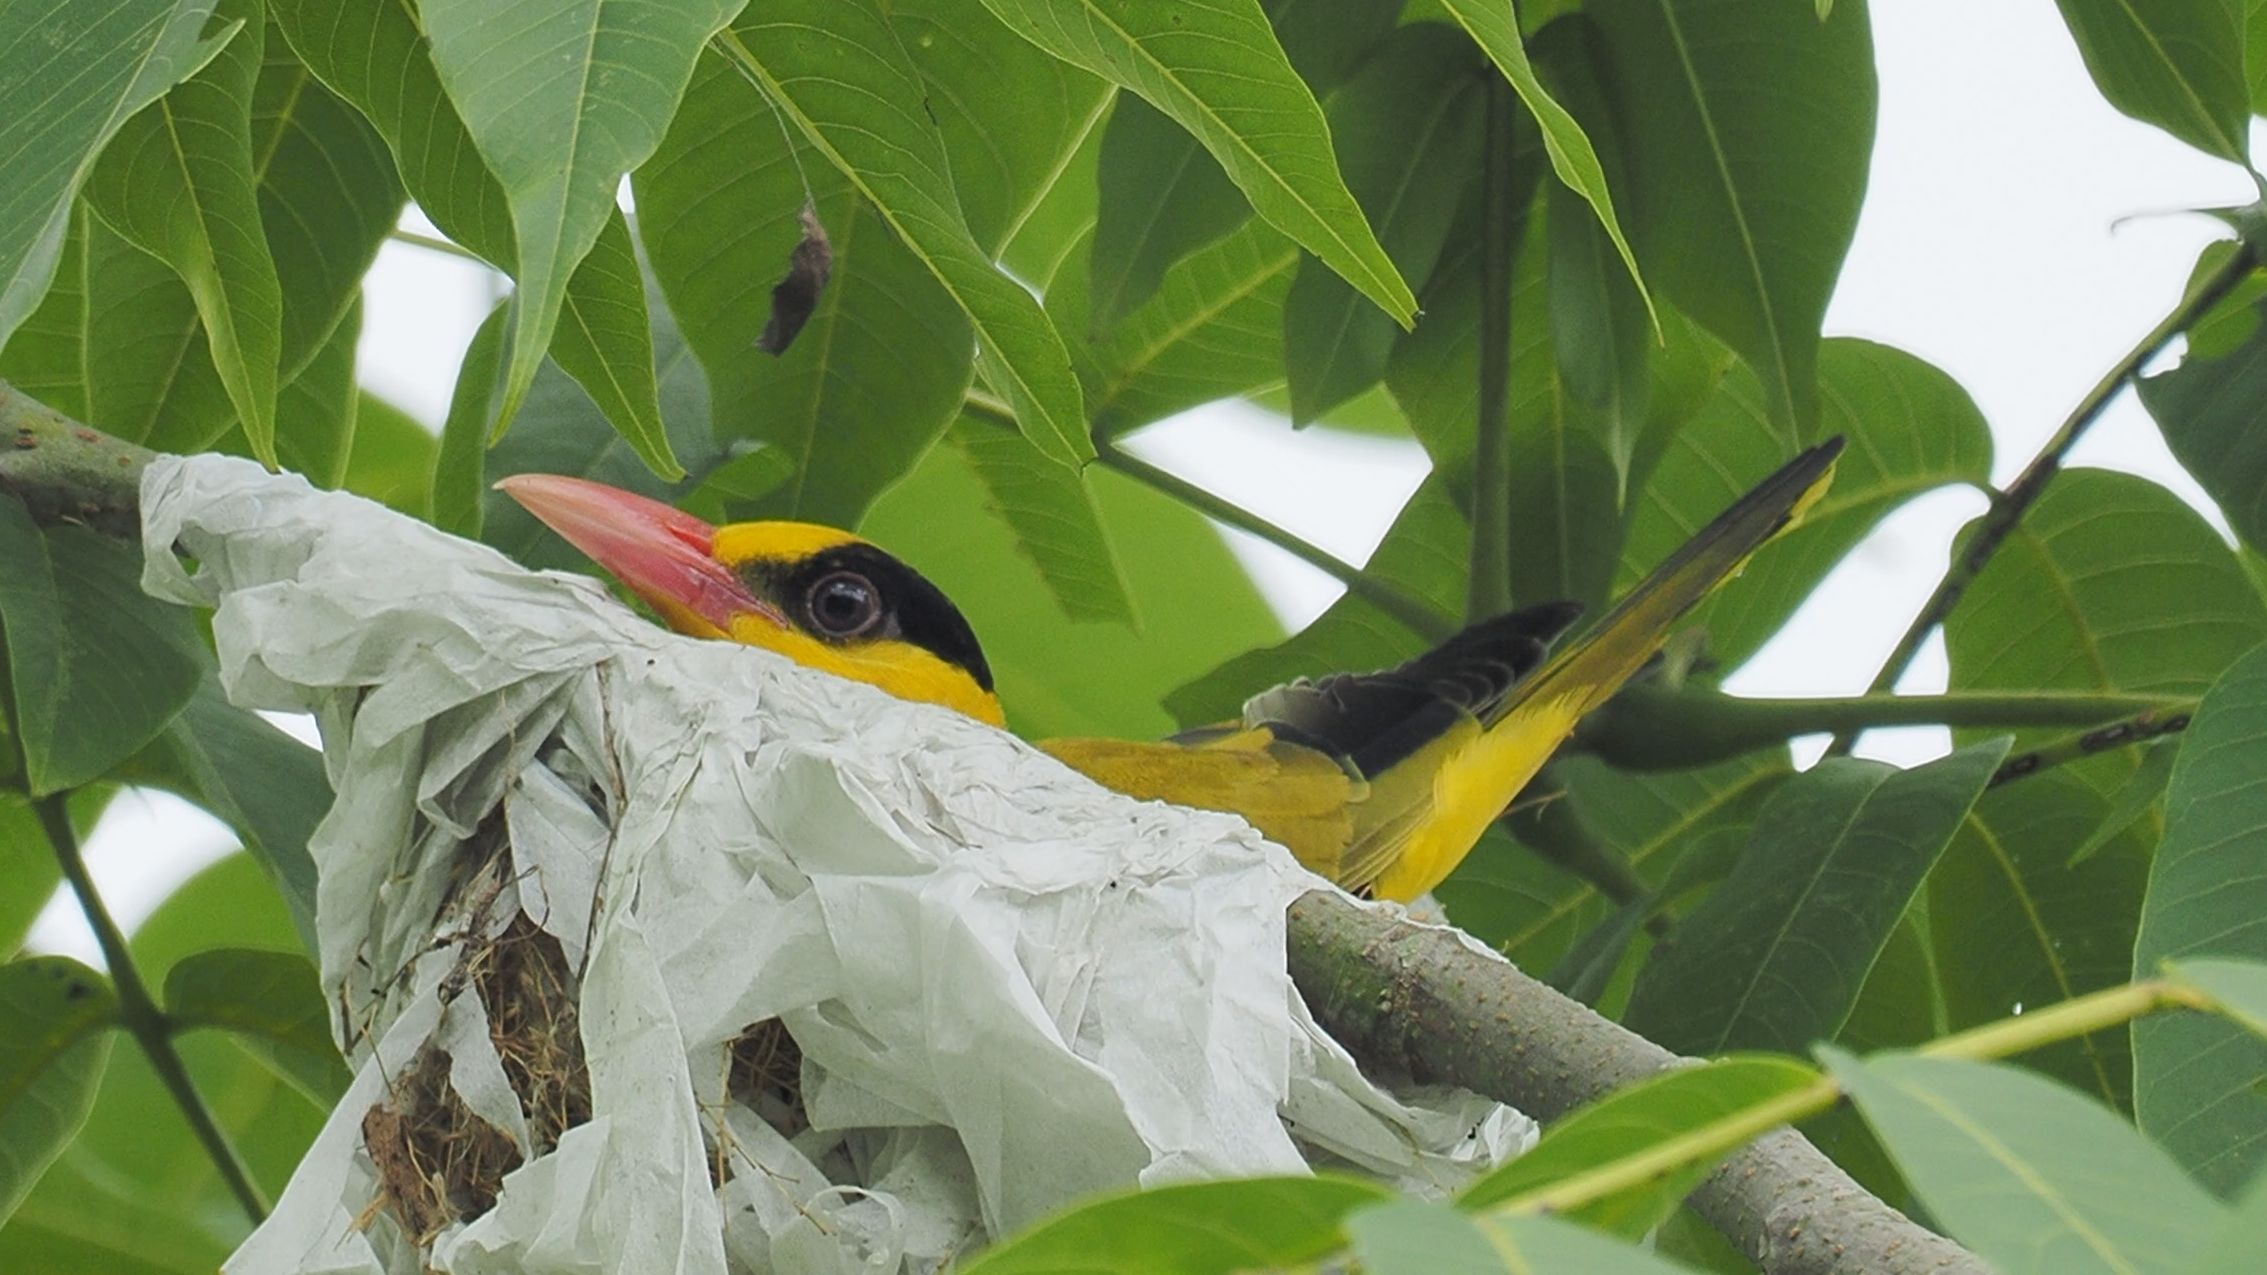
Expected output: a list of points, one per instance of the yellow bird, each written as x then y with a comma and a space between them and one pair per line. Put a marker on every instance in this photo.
1380, 781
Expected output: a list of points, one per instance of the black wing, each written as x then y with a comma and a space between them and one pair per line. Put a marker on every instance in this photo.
1373, 720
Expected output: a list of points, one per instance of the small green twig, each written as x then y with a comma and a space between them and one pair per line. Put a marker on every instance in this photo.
433, 244
139, 1013
1406, 607
2009, 505
2140, 728
1490, 590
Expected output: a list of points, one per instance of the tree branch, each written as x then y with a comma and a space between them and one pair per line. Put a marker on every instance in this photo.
2009, 505
2154, 723
1408, 1000
143, 1019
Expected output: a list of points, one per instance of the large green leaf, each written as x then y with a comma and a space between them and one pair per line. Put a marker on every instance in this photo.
2177, 64
1216, 67
836, 70
2208, 410
1910, 429
1213, 329
328, 196
2194, 1078
27, 869
855, 401
1748, 128
274, 1004
1418, 1237
460, 474
51, 1058
76, 74
392, 458
2110, 583
178, 181
98, 667
563, 100
1191, 1229
1057, 524
315, 412
1777, 955
1164, 196
1652, 1111
1572, 156
1174, 564
2029, 1175
375, 56
2015, 927
1006, 148
1409, 126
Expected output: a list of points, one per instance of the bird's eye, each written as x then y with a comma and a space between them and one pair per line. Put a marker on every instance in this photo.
844, 605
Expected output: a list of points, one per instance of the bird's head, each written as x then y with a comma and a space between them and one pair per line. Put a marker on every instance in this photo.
821, 597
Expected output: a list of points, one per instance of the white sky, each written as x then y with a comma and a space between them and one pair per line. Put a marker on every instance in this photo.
2017, 233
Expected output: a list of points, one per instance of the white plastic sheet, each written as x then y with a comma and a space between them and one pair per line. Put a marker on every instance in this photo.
1010, 986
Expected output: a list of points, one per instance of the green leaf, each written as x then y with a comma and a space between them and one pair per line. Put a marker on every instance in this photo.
1191, 1229
315, 413
51, 1058
2029, 1175
178, 181
837, 72
1174, 564
1006, 148
1748, 129
1163, 196
2206, 408
2241, 1245
563, 100
1417, 1237
375, 57
392, 459
267, 786
76, 75
27, 869
98, 666
2015, 927
2238, 988
2135, 798
1212, 330
1057, 524
274, 1004
1911, 429
1216, 68
328, 197
853, 403
1409, 126
460, 478
1777, 955
2194, 1078
1651, 1112
2177, 64
2110, 583
1572, 157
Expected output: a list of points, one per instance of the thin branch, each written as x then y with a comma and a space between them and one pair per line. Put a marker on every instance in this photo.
2009, 506
432, 244
1659, 728
140, 1014
1490, 591
1409, 609
2137, 729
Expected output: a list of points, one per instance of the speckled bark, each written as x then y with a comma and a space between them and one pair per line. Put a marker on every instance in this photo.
66, 472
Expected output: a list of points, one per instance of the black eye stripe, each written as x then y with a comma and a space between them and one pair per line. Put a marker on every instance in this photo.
912, 609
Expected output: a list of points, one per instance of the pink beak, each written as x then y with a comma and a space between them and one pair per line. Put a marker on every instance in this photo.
664, 555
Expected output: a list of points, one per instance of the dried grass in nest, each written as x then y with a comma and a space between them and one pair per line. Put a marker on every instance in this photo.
437, 1161
767, 1076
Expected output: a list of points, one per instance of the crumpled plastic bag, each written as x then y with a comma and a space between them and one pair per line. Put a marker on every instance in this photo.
1010, 987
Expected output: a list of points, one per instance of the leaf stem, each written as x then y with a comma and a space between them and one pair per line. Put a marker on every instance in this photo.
140, 1014
2010, 504
433, 244
2139, 728
1411, 610
1490, 589
2081, 1016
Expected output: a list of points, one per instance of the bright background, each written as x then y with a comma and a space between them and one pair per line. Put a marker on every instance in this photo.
2018, 233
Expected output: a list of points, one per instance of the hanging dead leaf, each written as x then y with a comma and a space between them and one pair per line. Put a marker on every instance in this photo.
796, 296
